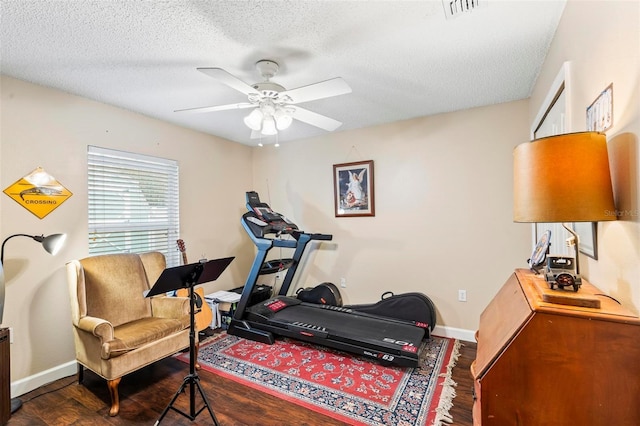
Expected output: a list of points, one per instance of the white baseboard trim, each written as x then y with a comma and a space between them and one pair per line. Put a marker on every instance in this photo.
454, 333
22, 386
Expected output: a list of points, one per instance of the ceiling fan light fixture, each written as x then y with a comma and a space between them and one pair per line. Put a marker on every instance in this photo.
269, 126
268, 108
283, 119
254, 119
284, 122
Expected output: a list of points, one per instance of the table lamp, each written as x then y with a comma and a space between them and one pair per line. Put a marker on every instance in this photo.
52, 244
563, 178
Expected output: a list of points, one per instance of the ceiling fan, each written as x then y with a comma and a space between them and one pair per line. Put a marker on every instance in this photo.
274, 107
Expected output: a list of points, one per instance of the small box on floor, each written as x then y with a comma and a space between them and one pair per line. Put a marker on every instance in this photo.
223, 305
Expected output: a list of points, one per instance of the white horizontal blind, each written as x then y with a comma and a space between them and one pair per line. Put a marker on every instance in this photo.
133, 204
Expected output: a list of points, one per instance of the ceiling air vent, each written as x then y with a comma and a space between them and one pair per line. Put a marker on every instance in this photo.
455, 8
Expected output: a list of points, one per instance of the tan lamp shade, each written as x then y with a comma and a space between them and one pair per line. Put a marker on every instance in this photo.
563, 178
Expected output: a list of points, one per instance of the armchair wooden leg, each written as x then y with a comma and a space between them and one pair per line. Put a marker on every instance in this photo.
115, 400
80, 373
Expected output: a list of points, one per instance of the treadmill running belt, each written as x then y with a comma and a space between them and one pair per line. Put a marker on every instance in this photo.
348, 327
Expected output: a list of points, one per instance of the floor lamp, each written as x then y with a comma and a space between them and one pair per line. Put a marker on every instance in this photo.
563, 179
52, 244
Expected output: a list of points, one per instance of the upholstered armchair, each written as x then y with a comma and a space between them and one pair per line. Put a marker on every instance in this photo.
116, 329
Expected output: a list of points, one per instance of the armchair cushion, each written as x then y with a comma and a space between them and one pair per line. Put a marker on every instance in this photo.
138, 333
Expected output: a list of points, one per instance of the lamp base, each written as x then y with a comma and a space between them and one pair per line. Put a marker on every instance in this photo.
16, 403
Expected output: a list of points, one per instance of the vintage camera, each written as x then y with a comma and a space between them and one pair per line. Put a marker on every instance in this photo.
560, 271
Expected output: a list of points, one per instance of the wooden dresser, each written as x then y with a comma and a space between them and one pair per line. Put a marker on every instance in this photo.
556, 357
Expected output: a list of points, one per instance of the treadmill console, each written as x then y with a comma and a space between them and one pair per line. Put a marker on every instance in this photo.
262, 220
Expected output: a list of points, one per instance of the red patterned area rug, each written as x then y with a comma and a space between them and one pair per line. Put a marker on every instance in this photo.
346, 387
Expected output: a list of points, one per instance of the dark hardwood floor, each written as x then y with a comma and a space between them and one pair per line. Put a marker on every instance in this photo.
145, 394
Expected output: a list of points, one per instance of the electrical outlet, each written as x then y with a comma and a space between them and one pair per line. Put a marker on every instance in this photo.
462, 295
343, 282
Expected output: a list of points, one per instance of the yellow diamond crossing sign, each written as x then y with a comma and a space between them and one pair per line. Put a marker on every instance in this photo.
38, 192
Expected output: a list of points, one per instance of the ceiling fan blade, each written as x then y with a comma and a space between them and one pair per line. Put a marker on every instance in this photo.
228, 79
241, 105
315, 119
324, 89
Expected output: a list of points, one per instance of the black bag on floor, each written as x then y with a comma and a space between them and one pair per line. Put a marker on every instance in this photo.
322, 294
414, 307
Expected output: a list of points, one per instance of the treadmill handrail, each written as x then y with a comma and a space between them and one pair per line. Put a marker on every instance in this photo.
264, 244
323, 237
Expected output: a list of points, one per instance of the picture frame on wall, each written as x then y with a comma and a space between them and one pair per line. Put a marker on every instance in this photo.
353, 189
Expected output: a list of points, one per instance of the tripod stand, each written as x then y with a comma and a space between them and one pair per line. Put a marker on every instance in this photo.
188, 276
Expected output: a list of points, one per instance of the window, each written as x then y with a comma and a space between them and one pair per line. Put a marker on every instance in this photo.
133, 204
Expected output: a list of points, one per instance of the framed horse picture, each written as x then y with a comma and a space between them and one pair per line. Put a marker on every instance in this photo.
353, 189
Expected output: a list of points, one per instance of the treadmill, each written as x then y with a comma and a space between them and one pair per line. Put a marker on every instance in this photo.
389, 340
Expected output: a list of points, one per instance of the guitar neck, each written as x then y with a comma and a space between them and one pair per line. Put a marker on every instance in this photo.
183, 251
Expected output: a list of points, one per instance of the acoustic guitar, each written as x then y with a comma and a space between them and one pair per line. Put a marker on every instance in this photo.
203, 315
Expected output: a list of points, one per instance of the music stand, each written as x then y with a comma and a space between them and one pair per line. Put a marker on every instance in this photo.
188, 276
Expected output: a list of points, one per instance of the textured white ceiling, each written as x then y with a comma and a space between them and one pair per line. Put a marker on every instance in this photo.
403, 59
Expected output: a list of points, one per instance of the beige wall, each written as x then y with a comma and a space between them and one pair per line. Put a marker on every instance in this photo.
443, 194
49, 128
601, 41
